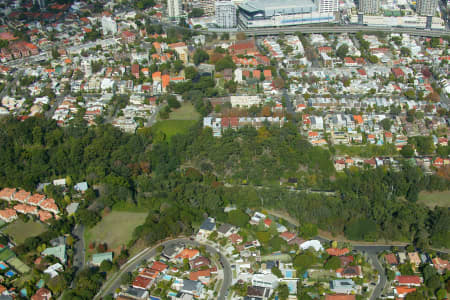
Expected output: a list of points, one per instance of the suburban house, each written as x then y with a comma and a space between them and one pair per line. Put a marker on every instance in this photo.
207, 227
98, 258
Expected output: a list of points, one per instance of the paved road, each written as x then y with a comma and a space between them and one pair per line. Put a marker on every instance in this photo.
111, 285
152, 119
79, 248
320, 28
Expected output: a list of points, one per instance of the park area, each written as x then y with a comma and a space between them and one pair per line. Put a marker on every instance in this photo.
115, 229
172, 127
432, 199
19, 230
185, 112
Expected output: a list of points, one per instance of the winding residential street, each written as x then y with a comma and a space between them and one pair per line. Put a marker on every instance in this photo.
114, 282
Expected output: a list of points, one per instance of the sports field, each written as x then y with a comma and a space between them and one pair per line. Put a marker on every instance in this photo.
115, 229
20, 231
172, 127
185, 112
435, 199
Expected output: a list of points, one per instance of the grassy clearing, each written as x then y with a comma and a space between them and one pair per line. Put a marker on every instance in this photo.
435, 199
20, 231
115, 229
173, 127
185, 112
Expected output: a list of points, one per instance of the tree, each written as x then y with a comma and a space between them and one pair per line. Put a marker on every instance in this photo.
342, 51
333, 263
407, 151
441, 294
373, 59
225, 63
303, 261
434, 283
404, 51
386, 123
172, 102
200, 56
276, 271
308, 230
283, 291
106, 266
238, 218
196, 13
190, 72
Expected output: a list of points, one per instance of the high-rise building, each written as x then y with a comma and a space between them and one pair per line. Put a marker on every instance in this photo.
369, 7
174, 7
226, 14
426, 7
328, 6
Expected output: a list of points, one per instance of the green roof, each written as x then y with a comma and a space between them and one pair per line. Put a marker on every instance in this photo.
58, 252
98, 258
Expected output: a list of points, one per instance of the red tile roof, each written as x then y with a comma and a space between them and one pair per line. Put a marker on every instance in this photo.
408, 280
44, 216
7, 193
202, 273
337, 251
8, 213
36, 199
142, 282
287, 236
159, 266
42, 294
22, 196
187, 253
26, 209
50, 205
391, 259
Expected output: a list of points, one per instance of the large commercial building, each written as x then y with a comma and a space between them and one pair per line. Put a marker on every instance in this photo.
270, 13
174, 8
426, 7
369, 7
226, 14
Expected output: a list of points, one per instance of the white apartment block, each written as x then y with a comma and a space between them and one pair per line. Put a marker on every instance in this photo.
109, 25
226, 14
174, 8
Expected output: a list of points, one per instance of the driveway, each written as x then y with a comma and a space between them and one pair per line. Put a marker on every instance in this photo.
110, 286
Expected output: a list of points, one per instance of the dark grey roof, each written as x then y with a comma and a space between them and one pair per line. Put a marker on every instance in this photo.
257, 292
190, 285
224, 228
134, 292
208, 224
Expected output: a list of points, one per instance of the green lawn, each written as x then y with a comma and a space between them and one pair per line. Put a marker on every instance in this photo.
173, 127
185, 112
435, 199
20, 231
115, 229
